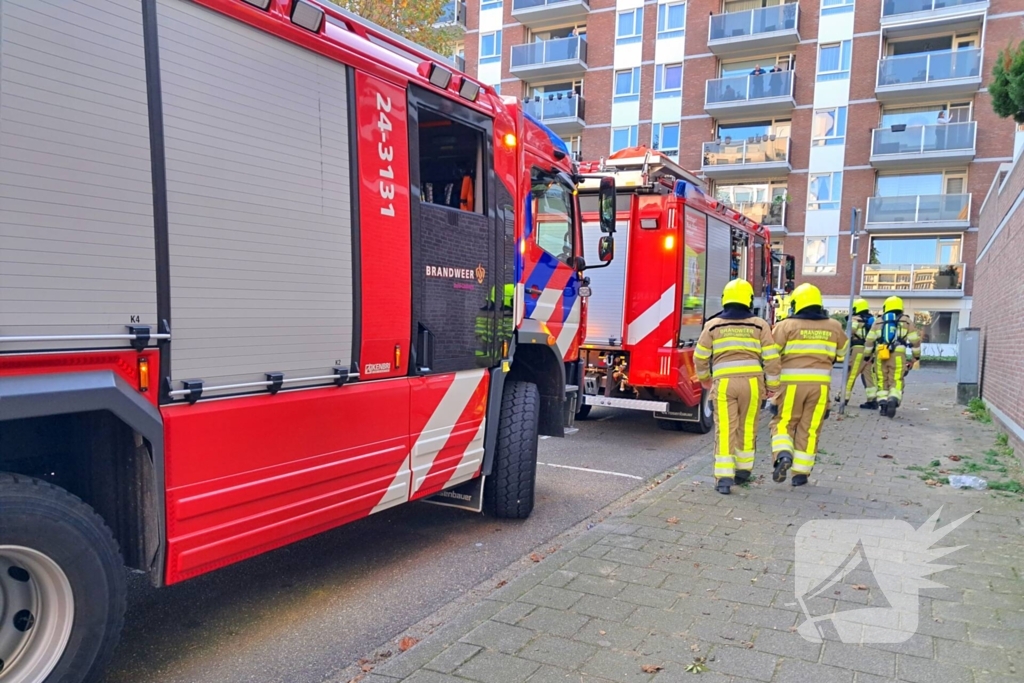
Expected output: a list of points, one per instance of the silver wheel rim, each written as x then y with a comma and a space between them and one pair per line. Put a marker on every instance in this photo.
37, 610
707, 404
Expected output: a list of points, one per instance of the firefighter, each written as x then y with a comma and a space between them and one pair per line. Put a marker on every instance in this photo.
889, 340
484, 320
860, 364
736, 359
810, 344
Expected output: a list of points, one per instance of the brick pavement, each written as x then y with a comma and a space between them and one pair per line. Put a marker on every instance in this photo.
685, 572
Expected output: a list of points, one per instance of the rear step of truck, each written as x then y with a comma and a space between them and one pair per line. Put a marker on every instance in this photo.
627, 403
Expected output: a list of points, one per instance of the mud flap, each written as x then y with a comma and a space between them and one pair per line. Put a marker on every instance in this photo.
466, 496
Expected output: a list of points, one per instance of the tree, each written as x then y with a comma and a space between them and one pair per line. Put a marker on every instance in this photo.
416, 20
1007, 86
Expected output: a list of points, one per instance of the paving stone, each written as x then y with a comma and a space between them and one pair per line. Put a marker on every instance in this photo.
559, 652
621, 541
644, 577
555, 598
619, 666
651, 597
495, 667
452, 658
554, 622
677, 673
514, 612
990, 677
716, 631
765, 616
859, 658
921, 670
786, 644
551, 674
741, 661
559, 578
653, 533
608, 634
1011, 639
495, 635
747, 594
587, 565
596, 585
660, 620
676, 648
797, 671
637, 558
975, 657
604, 608
424, 676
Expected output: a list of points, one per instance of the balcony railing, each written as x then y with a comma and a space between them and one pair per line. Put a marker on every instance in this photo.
772, 214
930, 67
753, 22
749, 88
540, 13
909, 209
544, 52
892, 8
454, 12
931, 139
555, 107
931, 278
520, 5
749, 152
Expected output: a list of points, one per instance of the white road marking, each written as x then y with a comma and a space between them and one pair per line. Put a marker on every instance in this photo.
587, 469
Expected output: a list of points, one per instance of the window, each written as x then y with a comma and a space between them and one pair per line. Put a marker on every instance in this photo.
836, 7
821, 255
834, 61
450, 163
624, 137
627, 85
552, 214
910, 250
490, 47
829, 126
665, 138
937, 327
909, 184
497, 88
671, 20
824, 191
630, 28
490, 4
668, 80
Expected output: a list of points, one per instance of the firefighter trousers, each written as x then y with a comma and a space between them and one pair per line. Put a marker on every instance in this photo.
737, 404
866, 370
797, 426
889, 374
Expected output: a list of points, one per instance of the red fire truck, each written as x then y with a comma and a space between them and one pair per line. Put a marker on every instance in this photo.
265, 269
679, 248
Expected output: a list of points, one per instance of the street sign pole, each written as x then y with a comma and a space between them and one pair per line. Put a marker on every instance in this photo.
854, 244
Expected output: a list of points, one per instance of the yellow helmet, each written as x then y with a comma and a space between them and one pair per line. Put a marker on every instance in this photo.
893, 303
806, 295
738, 292
860, 306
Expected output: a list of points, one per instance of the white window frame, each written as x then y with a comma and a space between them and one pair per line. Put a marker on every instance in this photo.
657, 131
490, 4
659, 81
663, 14
634, 94
829, 265
838, 136
633, 133
638, 27
836, 7
496, 56
845, 61
834, 203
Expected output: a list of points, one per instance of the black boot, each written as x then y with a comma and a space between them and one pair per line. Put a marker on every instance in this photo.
724, 485
799, 479
782, 465
742, 476
870, 405
893, 404
883, 408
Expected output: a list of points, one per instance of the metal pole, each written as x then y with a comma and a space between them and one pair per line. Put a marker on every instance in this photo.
854, 243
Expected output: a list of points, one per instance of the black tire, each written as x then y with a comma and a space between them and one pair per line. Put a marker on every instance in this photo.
583, 411
707, 417
669, 425
50, 521
509, 491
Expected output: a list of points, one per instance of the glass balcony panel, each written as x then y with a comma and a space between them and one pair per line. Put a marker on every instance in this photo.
892, 8
749, 88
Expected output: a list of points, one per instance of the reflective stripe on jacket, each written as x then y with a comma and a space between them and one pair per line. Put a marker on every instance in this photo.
736, 348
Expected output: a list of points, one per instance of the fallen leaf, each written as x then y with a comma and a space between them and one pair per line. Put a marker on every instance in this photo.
367, 668
603, 633
747, 644
932, 482
726, 637
886, 456
955, 458
536, 557
859, 587
746, 555
696, 565
650, 668
357, 678
501, 583
695, 647
672, 520
406, 643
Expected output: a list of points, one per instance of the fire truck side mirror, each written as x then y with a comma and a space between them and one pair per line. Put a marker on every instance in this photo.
606, 249
790, 268
606, 198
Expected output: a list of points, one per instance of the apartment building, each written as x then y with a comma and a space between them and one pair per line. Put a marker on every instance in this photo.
793, 112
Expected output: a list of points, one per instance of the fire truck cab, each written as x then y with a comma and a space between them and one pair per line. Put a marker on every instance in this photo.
265, 269
678, 249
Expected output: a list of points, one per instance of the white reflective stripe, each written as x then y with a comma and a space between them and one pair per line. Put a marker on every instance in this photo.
649, 320
798, 346
569, 329
546, 303
736, 364
519, 305
737, 341
772, 379
472, 458
439, 427
398, 489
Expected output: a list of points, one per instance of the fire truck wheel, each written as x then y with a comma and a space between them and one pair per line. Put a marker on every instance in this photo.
509, 489
62, 585
707, 416
583, 411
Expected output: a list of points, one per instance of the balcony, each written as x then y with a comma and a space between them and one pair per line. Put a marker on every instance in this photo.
540, 14
769, 214
738, 97
562, 57
923, 146
453, 14
565, 115
924, 280
756, 157
917, 212
945, 74
753, 31
915, 17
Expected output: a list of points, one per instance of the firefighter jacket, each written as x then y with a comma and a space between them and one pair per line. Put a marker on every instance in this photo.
859, 329
737, 347
810, 344
904, 335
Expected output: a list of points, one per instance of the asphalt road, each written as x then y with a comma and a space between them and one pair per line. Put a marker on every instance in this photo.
305, 613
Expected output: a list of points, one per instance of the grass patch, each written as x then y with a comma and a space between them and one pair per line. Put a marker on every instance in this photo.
1010, 486
977, 411
935, 463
